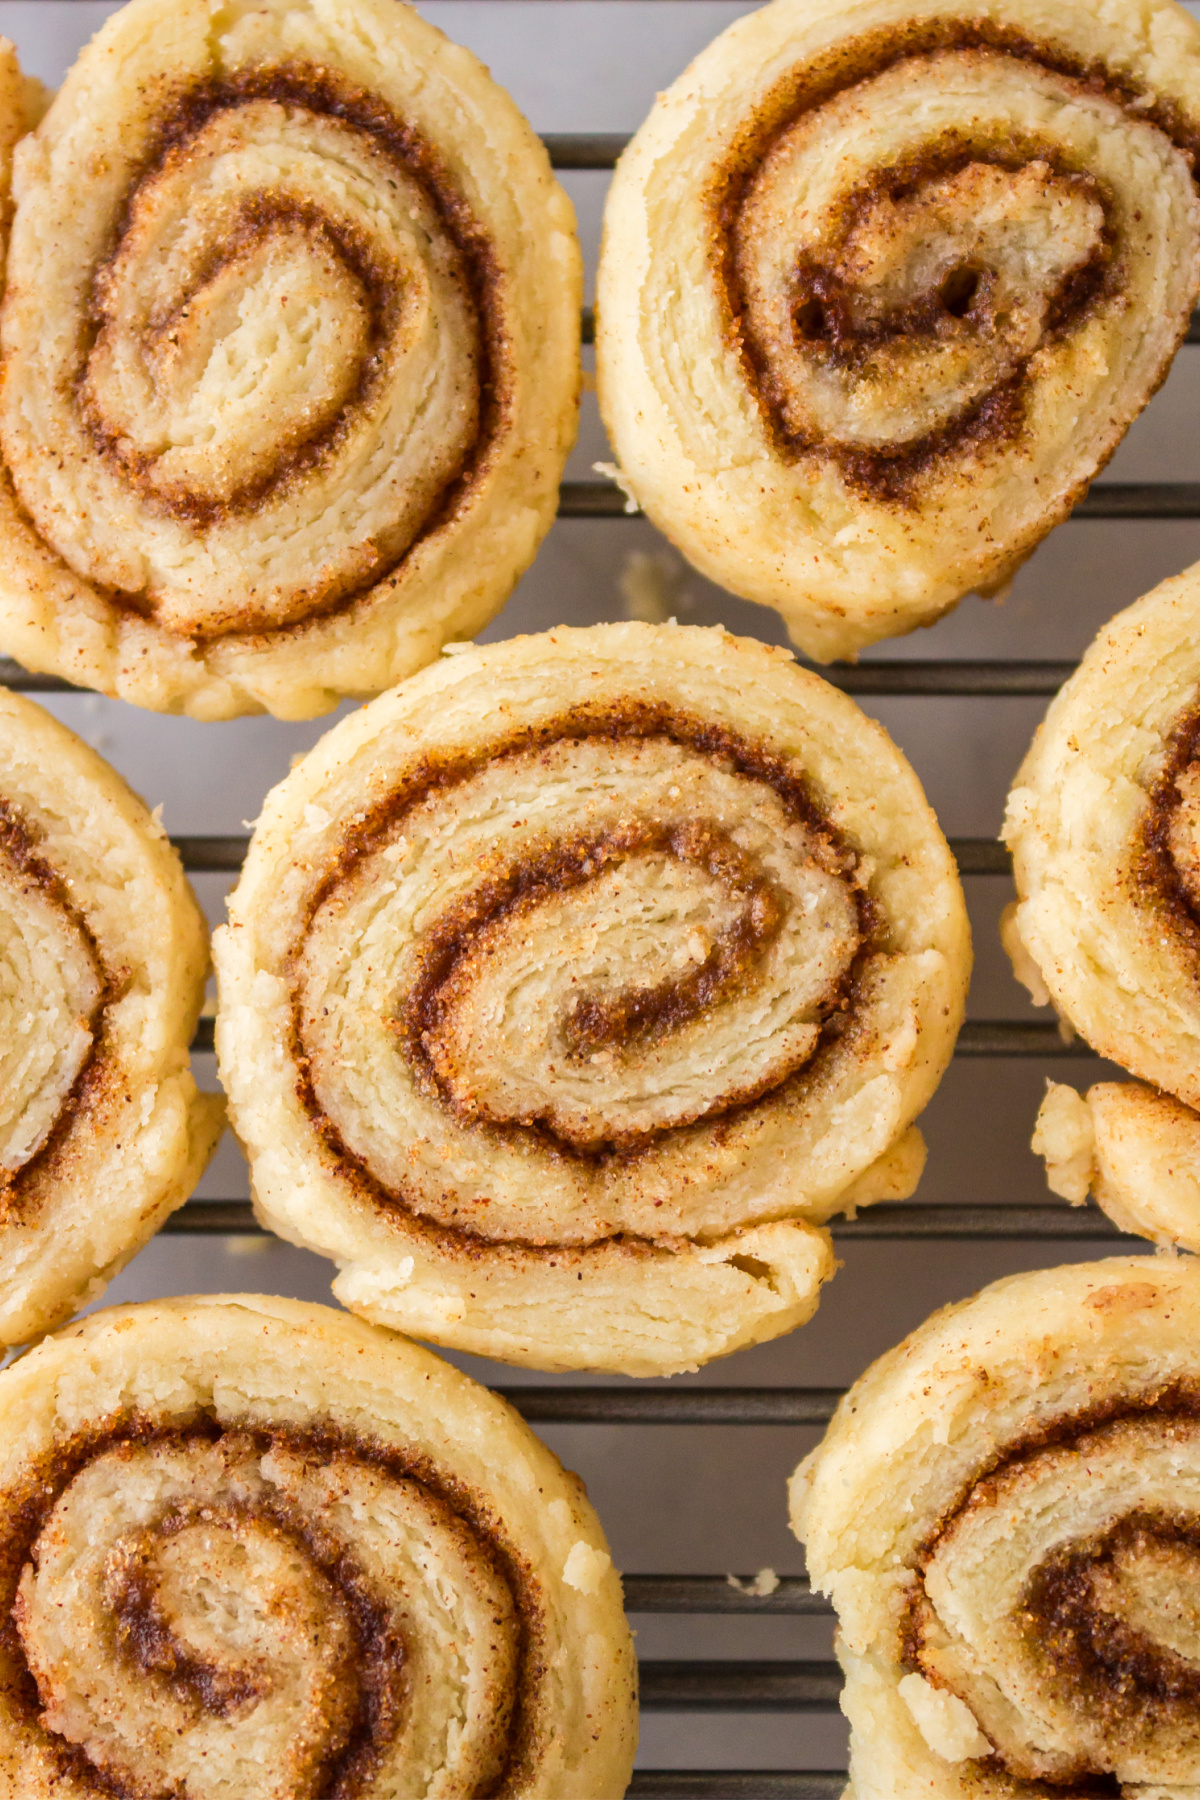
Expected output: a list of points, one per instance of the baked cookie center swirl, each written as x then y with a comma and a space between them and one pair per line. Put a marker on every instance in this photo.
211, 1612
293, 340
564, 952
902, 239
52, 991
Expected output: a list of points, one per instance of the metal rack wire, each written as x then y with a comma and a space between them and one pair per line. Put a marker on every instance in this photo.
757, 1685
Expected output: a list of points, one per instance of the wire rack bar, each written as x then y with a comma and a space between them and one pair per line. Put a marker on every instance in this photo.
981, 856
673, 1406
1107, 500
1013, 1037
584, 149
587, 327
743, 1686
225, 855
792, 1597
960, 678
1140, 500
1057, 1223
736, 1784
993, 1224
978, 1037
220, 855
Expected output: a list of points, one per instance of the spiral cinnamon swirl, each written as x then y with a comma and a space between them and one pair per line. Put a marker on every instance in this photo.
884, 284
291, 357
571, 985
1104, 826
257, 1550
1006, 1512
103, 955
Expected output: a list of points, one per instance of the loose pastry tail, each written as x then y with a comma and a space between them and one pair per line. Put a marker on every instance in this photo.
1136, 1150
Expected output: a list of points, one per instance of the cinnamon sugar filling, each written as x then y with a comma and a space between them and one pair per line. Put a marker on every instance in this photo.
1110, 1620
610, 1031
1165, 874
23, 1178
839, 323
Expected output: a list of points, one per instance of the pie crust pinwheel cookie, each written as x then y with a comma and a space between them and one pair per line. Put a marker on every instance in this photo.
570, 986
1006, 1514
291, 356
103, 957
883, 285
257, 1550
1104, 825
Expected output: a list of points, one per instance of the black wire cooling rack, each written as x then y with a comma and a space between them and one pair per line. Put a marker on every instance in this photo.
759, 1686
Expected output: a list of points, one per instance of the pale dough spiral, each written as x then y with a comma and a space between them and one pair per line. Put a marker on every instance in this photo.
570, 986
883, 284
1104, 826
256, 1550
103, 956
1006, 1512
290, 351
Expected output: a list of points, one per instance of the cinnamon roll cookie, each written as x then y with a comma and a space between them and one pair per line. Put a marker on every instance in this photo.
290, 352
103, 955
570, 986
257, 1550
1006, 1513
1104, 826
883, 285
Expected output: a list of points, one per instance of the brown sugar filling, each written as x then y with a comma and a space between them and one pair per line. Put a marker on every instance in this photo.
1104, 1663
1097, 1653
638, 1015
822, 313
22, 1191
1159, 885
257, 217
364, 1721
323, 92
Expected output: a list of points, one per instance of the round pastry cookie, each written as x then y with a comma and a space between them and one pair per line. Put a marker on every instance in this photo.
290, 357
103, 958
571, 985
883, 283
1104, 825
258, 1550
1006, 1513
